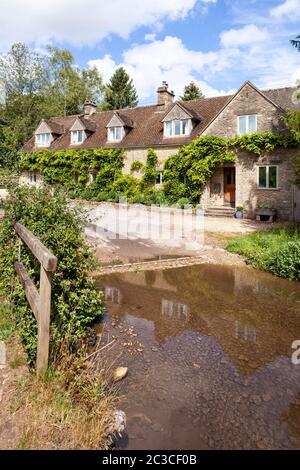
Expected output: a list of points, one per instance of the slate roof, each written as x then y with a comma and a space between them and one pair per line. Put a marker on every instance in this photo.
147, 130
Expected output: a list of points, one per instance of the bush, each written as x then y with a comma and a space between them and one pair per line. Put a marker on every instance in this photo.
276, 251
75, 301
286, 263
184, 201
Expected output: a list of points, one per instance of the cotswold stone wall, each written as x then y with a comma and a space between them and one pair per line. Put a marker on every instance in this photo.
250, 196
248, 101
132, 155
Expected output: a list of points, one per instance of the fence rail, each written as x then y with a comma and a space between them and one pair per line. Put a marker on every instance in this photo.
40, 302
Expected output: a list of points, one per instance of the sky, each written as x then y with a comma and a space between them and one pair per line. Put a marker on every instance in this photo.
216, 43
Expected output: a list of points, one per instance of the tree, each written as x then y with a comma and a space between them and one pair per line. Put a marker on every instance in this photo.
191, 92
296, 42
36, 86
120, 92
69, 87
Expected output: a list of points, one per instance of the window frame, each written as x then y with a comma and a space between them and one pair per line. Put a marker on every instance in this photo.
247, 123
111, 129
75, 141
173, 124
267, 177
39, 143
32, 177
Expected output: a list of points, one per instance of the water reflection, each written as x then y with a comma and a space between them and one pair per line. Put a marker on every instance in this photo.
221, 375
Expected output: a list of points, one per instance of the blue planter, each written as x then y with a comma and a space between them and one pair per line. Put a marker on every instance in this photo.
239, 215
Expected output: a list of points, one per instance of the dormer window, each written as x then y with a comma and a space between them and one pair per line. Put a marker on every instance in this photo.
115, 134
77, 137
177, 128
43, 140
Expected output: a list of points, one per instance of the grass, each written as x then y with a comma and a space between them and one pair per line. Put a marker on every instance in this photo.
69, 408
72, 407
275, 250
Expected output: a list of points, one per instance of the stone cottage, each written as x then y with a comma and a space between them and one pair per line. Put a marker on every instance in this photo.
166, 126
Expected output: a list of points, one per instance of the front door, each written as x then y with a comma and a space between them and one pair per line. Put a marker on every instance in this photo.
296, 204
229, 186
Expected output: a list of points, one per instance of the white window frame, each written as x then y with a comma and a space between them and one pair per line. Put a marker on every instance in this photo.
172, 134
160, 176
39, 139
32, 177
267, 177
247, 123
112, 130
75, 137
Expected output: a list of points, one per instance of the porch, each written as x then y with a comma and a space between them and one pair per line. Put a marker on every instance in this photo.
219, 197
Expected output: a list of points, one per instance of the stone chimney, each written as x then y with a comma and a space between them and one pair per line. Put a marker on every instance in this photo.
89, 108
164, 95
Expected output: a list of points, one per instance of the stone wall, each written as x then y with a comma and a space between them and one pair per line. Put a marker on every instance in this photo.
248, 101
140, 154
250, 196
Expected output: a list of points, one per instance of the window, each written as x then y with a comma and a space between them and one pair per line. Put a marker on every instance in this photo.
177, 128
267, 177
159, 179
32, 177
115, 134
43, 140
247, 124
77, 137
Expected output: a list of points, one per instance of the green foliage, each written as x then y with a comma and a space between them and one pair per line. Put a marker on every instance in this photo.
39, 86
75, 301
150, 172
260, 142
191, 92
184, 175
296, 42
61, 167
186, 172
136, 166
120, 92
277, 251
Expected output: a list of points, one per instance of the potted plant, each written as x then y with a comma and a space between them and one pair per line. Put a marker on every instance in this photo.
239, 212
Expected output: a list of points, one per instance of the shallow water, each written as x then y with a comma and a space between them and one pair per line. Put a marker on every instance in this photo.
214, 370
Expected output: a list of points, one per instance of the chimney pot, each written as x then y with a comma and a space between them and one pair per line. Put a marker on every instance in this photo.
90, 108
164, 95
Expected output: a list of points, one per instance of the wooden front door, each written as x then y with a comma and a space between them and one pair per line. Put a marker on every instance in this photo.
229, 185
296, 204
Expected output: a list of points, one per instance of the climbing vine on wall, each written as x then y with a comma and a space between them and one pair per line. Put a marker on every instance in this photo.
70, 168
184, 175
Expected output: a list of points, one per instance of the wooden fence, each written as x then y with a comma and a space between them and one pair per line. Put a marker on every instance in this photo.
40, 302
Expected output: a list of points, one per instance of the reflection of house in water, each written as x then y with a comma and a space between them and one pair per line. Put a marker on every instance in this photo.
175, 310
216, 301
113, 295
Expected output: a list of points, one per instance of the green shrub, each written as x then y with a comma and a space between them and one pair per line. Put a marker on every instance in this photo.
276, 251
75, 301
184, 201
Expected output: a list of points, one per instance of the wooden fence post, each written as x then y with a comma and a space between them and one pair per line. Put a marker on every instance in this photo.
44, 322
40, 302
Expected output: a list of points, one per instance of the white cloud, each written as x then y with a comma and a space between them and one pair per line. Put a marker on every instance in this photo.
83, 22
150, 37
248, 35
289, 9
167, 59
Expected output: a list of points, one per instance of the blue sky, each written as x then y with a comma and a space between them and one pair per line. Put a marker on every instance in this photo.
217, 43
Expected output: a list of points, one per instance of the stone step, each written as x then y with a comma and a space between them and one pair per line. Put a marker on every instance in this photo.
219, 211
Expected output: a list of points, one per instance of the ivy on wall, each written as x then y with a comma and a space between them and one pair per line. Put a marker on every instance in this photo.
184, 175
